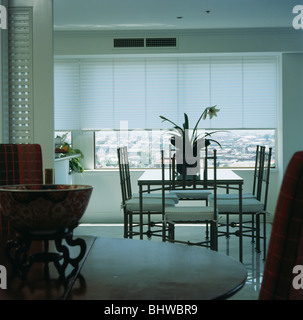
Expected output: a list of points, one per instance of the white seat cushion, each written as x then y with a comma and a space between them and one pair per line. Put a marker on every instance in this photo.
189, 214
231, 196
157, 196
232, 206
148, 204
192, 194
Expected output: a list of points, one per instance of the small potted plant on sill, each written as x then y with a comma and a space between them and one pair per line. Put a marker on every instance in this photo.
66, 150
188, 143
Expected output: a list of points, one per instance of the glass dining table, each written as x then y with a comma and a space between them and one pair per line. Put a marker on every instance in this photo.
226, 178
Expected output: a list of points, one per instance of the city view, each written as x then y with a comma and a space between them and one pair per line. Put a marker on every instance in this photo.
238, 147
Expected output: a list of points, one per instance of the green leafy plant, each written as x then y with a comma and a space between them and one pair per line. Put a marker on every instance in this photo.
75, 165
189, 141
185, 136
66, 150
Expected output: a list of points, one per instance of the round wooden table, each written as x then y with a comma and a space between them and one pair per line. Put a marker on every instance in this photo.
128, 269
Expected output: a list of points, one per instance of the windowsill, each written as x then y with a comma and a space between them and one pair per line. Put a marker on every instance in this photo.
78, 155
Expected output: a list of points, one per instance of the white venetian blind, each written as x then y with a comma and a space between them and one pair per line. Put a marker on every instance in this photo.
98, 94
67, 95
20, 75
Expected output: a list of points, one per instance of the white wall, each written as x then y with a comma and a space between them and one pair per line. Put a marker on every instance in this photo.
190, 41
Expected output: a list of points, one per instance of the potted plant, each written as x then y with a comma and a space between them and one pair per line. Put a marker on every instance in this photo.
66, 150
188, 143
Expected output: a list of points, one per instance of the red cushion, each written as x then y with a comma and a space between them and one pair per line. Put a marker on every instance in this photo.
286, 242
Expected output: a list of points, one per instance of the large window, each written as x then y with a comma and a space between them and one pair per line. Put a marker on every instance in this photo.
238, 147
127, 94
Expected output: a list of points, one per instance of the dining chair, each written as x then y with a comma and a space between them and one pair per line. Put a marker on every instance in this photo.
19, 164
207, 195
255, 206
256, 189
152, 202
285, 250
198, 214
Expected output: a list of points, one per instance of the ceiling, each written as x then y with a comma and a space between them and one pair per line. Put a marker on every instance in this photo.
172, 14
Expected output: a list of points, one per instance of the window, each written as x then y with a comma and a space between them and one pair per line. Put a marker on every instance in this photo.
129, 93
238, 147
144, 147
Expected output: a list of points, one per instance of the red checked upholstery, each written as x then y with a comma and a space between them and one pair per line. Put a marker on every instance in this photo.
286, 242
19, 164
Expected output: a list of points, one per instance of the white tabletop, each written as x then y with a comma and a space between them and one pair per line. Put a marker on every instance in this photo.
227, 176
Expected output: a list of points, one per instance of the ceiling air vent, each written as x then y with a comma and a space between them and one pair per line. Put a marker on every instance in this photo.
129, 43
145, 42
161, 42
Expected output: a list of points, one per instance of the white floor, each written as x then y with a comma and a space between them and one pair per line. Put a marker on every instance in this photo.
252, 261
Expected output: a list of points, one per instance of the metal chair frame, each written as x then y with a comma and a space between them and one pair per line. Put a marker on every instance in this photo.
191, 184
251, 228
173, 174
265, 180
126, 190
256, 192
127, 194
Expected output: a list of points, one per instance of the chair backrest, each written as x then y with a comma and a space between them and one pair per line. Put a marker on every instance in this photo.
19, 164
191, 181
258, 161
125, 182
263, 179
188, 171
285, 249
